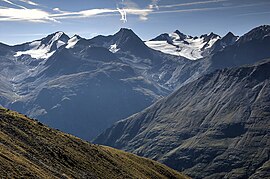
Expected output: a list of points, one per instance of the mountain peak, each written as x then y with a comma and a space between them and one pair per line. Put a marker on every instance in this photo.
126, 31
229, 38
126, 40
162, 37
180, 34
230, 34
262, 28
59, 35
256, 33
210, 35
73, 41
76, 36
124, 35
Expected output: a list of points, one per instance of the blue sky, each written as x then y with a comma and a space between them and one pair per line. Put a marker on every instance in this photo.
26, 20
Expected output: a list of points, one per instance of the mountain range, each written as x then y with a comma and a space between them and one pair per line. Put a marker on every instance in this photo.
82, 86
199, 105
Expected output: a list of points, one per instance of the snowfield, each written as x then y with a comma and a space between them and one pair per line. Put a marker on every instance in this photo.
190, 47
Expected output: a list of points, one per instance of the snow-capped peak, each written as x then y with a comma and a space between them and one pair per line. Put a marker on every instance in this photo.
177, 43
179, 35
73, 41
44, 48
59, 38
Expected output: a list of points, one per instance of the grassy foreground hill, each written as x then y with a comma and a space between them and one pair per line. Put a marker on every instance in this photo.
28, 149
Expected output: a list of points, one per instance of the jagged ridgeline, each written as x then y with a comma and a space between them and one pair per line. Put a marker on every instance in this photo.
29, 149
82, 86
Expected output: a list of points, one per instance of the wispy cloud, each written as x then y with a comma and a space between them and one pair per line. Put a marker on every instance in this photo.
142, 13
254, 13
123, 8
13, 4
209, 8
80, 14
126, 7
192, 3
29, 2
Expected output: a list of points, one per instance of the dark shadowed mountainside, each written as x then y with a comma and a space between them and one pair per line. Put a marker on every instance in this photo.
214, 127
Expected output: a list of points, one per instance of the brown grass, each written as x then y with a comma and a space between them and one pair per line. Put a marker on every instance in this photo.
29, 149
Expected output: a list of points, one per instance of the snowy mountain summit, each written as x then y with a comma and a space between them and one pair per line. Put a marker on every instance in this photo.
179, 44
43, 48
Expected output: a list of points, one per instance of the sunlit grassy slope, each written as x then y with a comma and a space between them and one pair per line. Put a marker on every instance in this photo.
28, 149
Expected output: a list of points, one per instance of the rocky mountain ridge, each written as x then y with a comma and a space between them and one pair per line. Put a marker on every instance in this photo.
214, 127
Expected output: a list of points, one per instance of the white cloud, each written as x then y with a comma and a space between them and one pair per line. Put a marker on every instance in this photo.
57, 9
30, 15
130, 7
81, 14
93, 12
142, 13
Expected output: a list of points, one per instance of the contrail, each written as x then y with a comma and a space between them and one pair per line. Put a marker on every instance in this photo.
192, 3
123, 15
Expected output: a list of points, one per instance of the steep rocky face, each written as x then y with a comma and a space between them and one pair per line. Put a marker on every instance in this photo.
214, 127
28, 149
125, 40
220, 44
4, 49
248, 49
163, 37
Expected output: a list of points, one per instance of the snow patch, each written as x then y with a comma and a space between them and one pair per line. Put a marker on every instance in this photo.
72, 42
36, 53
113, 48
